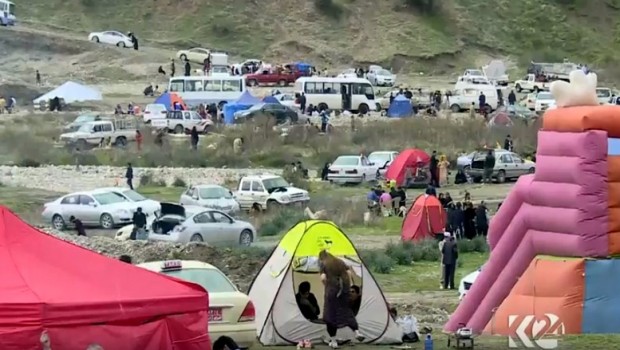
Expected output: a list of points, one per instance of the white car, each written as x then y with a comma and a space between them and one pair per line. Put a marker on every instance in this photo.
467, 282
264, 192
154, 111
210, 196
603, 95
348, 73
231, 313
544, 101
149, 206
381, 77
243, 67
111, 37
99, 208
287, 100
196, 55
352, 170
529, 101
382, 159
165, 220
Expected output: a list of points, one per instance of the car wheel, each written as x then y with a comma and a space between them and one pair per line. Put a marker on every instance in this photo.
196, 238
252, 82
272, 205
501, 177
121, 44
58, 223
363, 108
106, 221
95, 39
518, 88
179, 129
121, 141
323, 106
531, 170
455, 108
466, 168
536, 89
282, 83
81, 144
245, 238
183, 57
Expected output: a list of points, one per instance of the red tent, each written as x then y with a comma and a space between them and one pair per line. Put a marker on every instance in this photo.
424, 219
81, 298
409, 159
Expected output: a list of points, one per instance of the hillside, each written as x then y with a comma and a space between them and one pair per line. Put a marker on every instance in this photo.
336, 32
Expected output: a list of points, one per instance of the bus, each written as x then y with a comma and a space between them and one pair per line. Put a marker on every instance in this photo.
353, 94
219, 89
7, 13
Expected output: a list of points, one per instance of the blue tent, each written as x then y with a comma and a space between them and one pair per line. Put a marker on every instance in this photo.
271, 99
244, 102
168, 99
305, 68
400, 108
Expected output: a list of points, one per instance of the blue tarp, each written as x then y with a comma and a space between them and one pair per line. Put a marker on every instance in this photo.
400, 108
247, 99
601, 297
244, 102
271, 99
306, 68
164, 99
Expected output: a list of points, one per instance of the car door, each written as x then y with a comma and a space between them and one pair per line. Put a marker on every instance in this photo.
106, 37
88, 210
258, 193
227, 230
243, 195
69, 206
211, 231
508, 165
189, 197
366, 169
520, 166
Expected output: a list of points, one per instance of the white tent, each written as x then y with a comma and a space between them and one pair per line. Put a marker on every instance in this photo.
278, 318
71, 92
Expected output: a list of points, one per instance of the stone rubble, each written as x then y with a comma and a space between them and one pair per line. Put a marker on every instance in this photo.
68, 179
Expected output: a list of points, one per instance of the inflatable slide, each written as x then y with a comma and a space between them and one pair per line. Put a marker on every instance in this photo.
552, 269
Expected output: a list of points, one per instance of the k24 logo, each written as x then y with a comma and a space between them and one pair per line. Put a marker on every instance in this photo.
544, 331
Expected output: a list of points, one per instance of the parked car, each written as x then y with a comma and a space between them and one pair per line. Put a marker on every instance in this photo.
383, 159
508, 165
281, 113
182, 122
91, 134
211, 226
211, 196
231, 313
165, 220
288, 100
462, 99
267, 77
111, 37
520, 112
154, 111
149, 206
467, 282
529, 83
265, 192
381, 77
99, 208
81, 120
196, 55
245, 66
352, 170
464, 161
529, 101
348, 73
603, 95
544, 100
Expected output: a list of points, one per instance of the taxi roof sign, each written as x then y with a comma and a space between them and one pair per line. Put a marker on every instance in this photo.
172, 264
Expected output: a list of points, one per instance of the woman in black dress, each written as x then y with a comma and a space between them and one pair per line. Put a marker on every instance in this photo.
337, 313
469, 216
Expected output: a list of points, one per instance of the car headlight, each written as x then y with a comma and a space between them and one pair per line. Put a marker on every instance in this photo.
285, 198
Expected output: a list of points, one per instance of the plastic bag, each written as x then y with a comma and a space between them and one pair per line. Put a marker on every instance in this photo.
408, 324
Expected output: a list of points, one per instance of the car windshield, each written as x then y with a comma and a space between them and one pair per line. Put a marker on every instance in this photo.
109, 198
214, 193
210, 279
347, 161
603, 92
544, 96
275, 182
256, 107
84, 118
475, 73
134, 196
384, 72
87, 128
379, 158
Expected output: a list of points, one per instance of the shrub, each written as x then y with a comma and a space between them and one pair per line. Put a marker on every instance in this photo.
279, 221
480, 244
329, 8
147, 179
401, 253
377, 261
178, 182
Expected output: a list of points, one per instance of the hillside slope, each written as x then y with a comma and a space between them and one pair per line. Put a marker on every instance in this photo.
386, 31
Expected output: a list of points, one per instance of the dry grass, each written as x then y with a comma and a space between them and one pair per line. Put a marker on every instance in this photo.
30, 141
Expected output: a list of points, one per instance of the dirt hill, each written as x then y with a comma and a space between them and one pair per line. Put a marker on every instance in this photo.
398, 33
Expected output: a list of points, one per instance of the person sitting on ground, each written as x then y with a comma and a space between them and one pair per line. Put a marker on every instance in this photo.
307, 303
79, 226
125, 258
460, 178
356, 299
149, 91
325, 171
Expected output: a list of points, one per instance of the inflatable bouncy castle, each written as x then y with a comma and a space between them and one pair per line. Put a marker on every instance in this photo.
552, 268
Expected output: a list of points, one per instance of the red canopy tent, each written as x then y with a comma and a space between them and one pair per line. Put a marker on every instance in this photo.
425, 218
80, 298
408, 160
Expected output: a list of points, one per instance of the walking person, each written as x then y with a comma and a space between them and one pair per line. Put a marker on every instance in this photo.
139, 223
450, 255
194, 138
489, 165
129, 176
446, 237
302, 103
482, 220
337, 279
38, 78
173, 67
434, 169
139, 140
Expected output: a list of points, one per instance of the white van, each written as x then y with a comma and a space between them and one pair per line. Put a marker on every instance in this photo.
219, 89
462, 99
325, 92
154, 111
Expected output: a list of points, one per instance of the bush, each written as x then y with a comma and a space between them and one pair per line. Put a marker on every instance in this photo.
405, 253
377, 261
401, 253
279, 221
329, 8
147, 179
178, 182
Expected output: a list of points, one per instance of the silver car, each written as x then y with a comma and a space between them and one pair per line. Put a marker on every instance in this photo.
212, 197
464, 161
210, 226
165, 220
508, 165
99, 208
149, 206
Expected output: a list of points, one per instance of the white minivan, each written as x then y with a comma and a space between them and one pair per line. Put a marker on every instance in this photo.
219, 89
462, 99
330, 93
154, 111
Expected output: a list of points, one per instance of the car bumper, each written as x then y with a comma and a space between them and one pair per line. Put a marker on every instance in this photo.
339, 179
243, 335
121, 219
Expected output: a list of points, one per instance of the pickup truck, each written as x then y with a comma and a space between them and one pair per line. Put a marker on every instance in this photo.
92, 134
530, 84
270, 78
266, 192
180, 122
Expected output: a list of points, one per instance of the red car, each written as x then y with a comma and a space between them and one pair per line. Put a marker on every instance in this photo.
272, 78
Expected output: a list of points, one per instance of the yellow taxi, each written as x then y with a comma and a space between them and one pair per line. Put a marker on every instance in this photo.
231, 313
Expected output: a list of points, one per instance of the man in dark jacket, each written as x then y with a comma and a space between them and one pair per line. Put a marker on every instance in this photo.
450, 255
512, 98
188, 68
139, 224
302, 102
482, 221
129, 175
433, 167
489, 165
482, 102
508, 143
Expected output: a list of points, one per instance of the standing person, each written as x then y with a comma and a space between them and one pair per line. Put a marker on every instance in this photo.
508, 143
489, 165
139, 140
337, 279
194, 138
129, 176
139, 223
134, 39
450, 256
482, 102
173, 67
512, 98
188, 68
324, 120
302, 102
443, 170
482, 221
38, 77
433, 167
469, 225
459, 220
79, 226
446, 237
